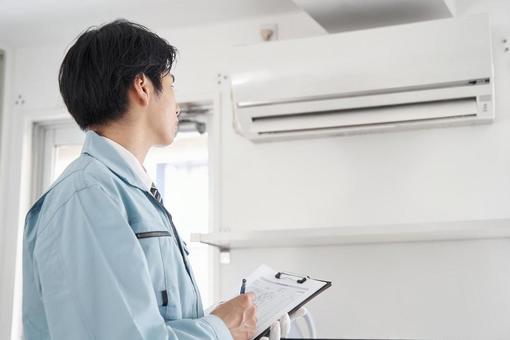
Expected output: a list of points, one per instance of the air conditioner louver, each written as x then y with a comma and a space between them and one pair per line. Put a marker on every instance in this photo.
364, 117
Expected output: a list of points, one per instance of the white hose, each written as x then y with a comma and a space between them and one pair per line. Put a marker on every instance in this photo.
311, 325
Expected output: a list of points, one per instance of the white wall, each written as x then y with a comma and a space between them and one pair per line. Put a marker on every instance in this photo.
436, 290
449, 290
424, 290
2, 84
6, 273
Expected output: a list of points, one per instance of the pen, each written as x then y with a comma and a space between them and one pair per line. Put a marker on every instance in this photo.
243, 287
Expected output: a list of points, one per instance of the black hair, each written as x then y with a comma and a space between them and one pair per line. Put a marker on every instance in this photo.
99, 68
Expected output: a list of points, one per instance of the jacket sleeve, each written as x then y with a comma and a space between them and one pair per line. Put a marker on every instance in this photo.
94, 278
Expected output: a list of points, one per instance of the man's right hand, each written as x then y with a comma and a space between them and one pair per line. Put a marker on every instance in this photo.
239, 314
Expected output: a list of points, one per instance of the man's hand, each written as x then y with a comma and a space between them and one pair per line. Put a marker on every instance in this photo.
239, 314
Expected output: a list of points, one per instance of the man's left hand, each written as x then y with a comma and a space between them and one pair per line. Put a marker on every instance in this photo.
281, 328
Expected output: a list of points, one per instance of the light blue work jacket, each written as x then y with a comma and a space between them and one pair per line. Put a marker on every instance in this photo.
101, 260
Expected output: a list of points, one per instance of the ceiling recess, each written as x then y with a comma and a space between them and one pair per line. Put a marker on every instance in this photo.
350, 15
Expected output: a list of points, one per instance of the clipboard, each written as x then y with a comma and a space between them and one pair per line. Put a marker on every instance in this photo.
301, 279
300, 289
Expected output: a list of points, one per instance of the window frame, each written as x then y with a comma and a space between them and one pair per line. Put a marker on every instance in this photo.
46, 137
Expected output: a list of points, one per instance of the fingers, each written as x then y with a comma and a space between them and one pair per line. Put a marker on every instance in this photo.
245, 300
250, 327
250, 316
250, 296
251, 332
239, 315
285, 325
275, 331
299, 313
252, 312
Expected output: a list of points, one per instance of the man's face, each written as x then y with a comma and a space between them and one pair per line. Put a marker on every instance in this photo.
163, 112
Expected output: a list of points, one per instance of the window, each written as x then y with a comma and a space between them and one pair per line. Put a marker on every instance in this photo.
50, 139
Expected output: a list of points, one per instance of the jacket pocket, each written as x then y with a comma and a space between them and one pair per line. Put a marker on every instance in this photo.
149, 234
153, 241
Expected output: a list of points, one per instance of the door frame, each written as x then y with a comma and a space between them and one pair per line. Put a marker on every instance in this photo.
17, 186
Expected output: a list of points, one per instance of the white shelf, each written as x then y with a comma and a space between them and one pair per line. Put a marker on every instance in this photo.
413, 232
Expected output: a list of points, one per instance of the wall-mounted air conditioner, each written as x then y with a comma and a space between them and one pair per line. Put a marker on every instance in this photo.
434, 73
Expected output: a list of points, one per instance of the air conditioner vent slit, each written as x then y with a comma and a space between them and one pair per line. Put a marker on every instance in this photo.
389, 123
354, 110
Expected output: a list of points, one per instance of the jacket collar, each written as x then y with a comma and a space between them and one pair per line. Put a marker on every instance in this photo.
98, 148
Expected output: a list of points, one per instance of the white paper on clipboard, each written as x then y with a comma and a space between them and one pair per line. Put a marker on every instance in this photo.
277, 296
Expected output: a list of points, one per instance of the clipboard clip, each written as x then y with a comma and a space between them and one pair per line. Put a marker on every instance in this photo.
301, 279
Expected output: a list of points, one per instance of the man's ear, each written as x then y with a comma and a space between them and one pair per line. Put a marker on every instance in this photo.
141, 89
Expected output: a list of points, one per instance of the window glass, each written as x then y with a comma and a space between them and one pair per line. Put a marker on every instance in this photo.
64, 155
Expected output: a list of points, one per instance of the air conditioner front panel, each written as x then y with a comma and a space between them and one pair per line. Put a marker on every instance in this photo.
443, 51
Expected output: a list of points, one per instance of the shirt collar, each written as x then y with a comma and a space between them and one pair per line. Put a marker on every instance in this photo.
133, 162
117, 158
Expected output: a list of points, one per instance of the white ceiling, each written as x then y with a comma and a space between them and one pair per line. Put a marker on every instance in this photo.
37, 21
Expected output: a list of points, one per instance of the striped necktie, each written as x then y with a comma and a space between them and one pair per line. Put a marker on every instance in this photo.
156, 194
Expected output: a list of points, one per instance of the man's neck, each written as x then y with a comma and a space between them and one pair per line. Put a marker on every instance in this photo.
131, 139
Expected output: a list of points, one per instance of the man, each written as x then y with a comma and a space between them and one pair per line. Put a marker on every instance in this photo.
102, 258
